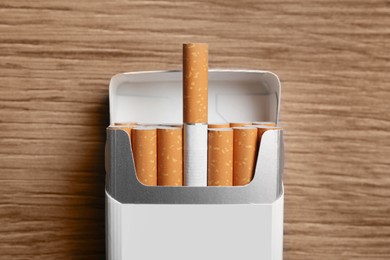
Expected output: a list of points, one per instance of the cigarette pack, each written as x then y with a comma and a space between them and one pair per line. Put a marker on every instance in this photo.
213, 222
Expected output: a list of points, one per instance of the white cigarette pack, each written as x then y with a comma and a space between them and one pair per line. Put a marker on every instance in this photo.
193, 223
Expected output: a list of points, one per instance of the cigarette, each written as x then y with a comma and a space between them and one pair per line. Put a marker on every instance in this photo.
219, 125
195, 113
265, 123
239, 124
169, 156
144, 146
244, 154
220, 157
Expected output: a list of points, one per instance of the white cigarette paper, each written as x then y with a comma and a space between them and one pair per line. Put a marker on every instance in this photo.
195, 155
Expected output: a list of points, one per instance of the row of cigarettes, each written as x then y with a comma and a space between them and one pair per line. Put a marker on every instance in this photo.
196, 153
231, 153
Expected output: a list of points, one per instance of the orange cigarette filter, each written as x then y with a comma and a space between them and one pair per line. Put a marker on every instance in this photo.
195, 83
170, 156
220, 157
144, 144
219, 125
239, 124
244, 154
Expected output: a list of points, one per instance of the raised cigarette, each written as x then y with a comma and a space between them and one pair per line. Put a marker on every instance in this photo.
144, 146
169, 156
219, 125
220, 157
195, 113
239, 124
265, 123
244, 154
195, 80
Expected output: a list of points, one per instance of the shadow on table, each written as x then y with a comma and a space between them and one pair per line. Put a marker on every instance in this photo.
87, 223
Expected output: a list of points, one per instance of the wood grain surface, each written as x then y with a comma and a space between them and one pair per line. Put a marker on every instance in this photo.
56, 60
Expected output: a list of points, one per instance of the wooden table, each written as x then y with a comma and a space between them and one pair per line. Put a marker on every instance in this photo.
56, 60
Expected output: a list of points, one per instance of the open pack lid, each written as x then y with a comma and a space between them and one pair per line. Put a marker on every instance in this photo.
156, 97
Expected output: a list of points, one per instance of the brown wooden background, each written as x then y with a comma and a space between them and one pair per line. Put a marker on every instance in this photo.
56, 60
